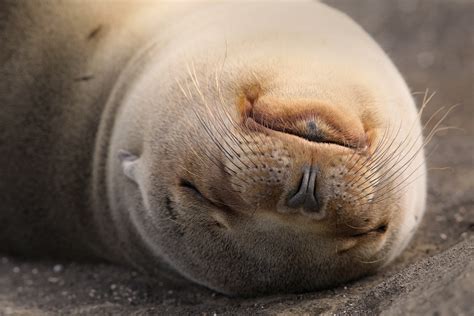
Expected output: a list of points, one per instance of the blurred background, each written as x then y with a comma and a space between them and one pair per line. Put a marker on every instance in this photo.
432, 44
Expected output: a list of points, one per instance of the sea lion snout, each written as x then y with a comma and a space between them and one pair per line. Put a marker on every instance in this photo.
280, 156
306, 198
308, 119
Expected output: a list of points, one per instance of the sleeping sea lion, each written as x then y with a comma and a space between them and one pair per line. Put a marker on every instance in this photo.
251, 147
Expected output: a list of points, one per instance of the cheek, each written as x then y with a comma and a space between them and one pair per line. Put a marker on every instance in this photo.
407, 230
411, 210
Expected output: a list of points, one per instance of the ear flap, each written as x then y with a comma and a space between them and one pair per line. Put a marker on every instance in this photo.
129, 163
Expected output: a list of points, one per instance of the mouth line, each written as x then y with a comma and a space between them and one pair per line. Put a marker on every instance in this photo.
254, 125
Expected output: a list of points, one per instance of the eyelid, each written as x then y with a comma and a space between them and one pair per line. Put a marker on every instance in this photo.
190, 186
217, 205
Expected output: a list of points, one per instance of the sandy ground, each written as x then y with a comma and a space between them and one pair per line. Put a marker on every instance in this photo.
432, 43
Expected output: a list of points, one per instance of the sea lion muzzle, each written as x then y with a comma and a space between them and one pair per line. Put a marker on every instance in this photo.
306, 197
311, 120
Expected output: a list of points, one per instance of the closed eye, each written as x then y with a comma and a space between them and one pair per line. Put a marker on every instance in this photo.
378, 230
190, 187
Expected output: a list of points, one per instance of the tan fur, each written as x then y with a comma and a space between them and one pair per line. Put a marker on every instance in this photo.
175, 135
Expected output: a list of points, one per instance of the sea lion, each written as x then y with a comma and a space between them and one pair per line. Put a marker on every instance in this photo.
252, 147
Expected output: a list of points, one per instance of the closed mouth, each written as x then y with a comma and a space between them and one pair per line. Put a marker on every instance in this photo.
255, 124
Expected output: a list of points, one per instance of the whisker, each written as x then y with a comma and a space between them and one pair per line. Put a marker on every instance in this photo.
382, 154
229, 156
405, 179
400, 157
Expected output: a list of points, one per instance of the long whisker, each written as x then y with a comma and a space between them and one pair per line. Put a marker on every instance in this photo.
401, 182
369, 165
430, 136
383, 162
229, 156
381, 153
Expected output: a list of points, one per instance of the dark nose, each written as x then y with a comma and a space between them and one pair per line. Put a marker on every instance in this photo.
306, 197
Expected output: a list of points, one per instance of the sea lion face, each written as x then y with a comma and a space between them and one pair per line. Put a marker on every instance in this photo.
268, 169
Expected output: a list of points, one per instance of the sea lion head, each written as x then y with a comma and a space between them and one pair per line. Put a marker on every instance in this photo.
266, 159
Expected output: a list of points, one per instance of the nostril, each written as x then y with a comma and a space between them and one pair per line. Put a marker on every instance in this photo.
306, 197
